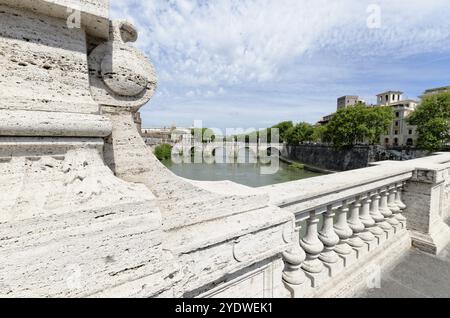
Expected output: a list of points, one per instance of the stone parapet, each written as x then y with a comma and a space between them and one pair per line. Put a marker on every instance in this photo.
45, 124
44, 64
94, 14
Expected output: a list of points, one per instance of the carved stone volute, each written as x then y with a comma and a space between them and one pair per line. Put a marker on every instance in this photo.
120, 74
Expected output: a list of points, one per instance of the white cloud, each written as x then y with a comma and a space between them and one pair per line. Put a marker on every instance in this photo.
215, 49
200, 42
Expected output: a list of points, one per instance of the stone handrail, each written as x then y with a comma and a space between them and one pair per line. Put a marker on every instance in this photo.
309, 193
341, 219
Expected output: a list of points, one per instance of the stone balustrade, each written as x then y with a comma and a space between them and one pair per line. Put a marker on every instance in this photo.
340, 233
355, 221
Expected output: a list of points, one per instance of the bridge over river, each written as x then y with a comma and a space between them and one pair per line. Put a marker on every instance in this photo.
229, 151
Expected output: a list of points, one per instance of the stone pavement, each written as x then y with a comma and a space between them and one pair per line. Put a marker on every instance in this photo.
418, 275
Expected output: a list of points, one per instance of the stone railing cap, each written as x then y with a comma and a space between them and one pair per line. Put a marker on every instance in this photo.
94, 14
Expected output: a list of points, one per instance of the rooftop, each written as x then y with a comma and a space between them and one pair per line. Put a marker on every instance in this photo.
390, 92
431, 90
349, 96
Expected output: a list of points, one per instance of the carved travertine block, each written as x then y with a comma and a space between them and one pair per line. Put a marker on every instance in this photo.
69, 227
44, 124
427, 205
43, 63
120, 74
93, 14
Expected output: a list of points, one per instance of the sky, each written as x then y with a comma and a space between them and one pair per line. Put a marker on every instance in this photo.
254, 63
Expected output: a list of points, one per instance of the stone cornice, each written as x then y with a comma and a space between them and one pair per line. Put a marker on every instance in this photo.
94, 14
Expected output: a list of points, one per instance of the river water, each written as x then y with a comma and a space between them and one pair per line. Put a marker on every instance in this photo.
248, 174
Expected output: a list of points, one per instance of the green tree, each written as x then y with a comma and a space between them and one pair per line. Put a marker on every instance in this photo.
163, 152
265, 135
203, 135
283, 129
300, 133
358, 124
378, 120
432, 118
319, 133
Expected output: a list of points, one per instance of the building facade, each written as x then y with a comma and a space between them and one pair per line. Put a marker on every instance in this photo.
348, 100
173, 135
342, 102
400, 133
389, 97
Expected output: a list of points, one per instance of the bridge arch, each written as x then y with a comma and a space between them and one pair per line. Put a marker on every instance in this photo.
246, 154
267, 150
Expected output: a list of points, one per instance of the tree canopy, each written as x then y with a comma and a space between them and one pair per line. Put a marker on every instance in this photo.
358, 124
163, 152
203, 134
347, 128
432, 118
300, 133
283, 129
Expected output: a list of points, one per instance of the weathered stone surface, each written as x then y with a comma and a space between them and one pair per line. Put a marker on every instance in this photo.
93, 233
43, 64
428, 207
327, 157
200, 226
94, 14
120, 74
182, 203
38, 123
417, 275
69, 227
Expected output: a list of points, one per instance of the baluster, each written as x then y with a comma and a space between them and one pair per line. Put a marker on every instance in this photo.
387, 213
329, 238
293, 275
392, 206
344, 232
398, 198
313, 246
402, 206
366, 219
384, 209
357, 227
381, 225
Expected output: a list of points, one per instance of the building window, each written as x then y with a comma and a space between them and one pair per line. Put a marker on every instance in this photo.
386, 141
410, 132
409, 142
396, 141
397, 124
396, 132
397, 114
